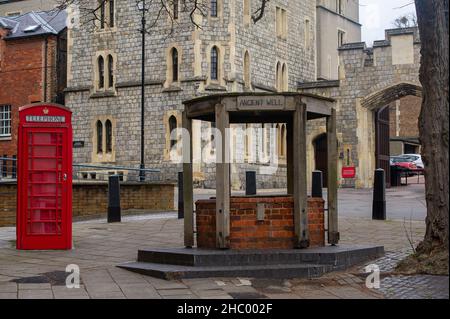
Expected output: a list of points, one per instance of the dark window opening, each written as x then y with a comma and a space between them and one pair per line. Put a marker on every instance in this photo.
174, 65
214, 64
108, 128
99, 127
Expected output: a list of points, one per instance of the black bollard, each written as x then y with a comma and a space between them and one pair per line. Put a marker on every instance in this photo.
379, 196
317, 184
180, 196
114, 214
250, 183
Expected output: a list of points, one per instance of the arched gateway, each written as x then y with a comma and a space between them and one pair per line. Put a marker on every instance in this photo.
378, 97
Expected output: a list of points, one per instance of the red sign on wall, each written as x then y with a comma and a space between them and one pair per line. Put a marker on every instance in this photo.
44, 184
348, 172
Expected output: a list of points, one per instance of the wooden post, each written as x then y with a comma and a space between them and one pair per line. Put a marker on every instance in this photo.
290, 157
300, 187
333, 233
188, 184
222, 179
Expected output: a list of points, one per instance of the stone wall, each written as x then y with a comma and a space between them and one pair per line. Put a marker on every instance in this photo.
90, 199
369, 78
229, 32
273, 230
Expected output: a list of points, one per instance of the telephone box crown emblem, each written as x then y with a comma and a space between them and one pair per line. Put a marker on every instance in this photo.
45, 111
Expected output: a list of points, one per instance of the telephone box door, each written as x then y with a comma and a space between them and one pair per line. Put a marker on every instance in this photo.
44, 215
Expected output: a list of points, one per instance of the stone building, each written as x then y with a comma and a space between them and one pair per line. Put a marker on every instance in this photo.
14, 8
229, 53
32, 68
337, 24
378, 104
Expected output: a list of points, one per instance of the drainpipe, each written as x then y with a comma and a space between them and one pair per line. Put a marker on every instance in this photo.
45, 67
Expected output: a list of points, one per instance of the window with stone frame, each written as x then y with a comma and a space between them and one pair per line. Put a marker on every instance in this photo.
103, 141
214, 63
104, 72
175, 9
247, 71
108, 136
281, 79
247, 12
173, 125
341, 38
5, 120
110, 71
281, 24
99, 132
106, 14
101, 72
214, 8
175, 64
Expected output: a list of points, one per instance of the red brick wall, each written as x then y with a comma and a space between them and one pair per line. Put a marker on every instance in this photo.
22, 77
408, 117
276, 231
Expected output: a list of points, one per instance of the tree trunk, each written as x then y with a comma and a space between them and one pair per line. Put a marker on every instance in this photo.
433, 123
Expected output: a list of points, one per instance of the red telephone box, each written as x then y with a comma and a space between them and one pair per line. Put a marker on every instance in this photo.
44, 183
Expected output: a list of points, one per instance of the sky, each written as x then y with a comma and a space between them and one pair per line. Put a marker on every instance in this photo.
377, 15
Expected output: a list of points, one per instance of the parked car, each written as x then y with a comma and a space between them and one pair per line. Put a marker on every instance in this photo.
406, 163
417, 159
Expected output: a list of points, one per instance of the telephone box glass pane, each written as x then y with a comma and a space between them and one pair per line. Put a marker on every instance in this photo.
44, 183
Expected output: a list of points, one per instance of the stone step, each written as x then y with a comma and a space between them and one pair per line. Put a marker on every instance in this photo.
174, 272
339, 257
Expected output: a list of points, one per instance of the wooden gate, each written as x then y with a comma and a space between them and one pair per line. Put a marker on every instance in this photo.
321, 156
382, 142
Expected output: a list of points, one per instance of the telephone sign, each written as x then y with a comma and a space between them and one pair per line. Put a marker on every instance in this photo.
44, 183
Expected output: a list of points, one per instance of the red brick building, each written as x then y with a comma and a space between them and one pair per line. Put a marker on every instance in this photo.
32, 68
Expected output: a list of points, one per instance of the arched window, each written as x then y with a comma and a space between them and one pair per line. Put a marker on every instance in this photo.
110, 71
283, 141
111, 13
278, 139
214, 8
175, 9
284, 78
214, 63
101, 72
247, 77
174, 65
99, 127
278, 77
108, 131
172, 127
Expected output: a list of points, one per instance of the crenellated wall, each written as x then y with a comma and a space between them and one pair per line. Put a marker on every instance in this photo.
369, 79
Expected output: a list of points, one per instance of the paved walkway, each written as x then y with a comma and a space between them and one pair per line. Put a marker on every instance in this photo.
100, 246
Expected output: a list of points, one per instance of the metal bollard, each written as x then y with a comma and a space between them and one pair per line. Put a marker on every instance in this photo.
379, 196
114, 213
317, 184
250, 183
180, 196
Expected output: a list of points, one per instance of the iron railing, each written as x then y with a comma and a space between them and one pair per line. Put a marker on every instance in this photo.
87, 172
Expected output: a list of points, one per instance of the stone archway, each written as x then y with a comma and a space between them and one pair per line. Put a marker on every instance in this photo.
387, 95
379, 103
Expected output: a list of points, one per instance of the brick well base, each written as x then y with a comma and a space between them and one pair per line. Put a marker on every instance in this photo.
275, 231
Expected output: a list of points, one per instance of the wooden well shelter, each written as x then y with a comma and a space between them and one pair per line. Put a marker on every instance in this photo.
294, 109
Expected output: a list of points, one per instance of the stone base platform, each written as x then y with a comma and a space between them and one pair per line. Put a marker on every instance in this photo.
201, 263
